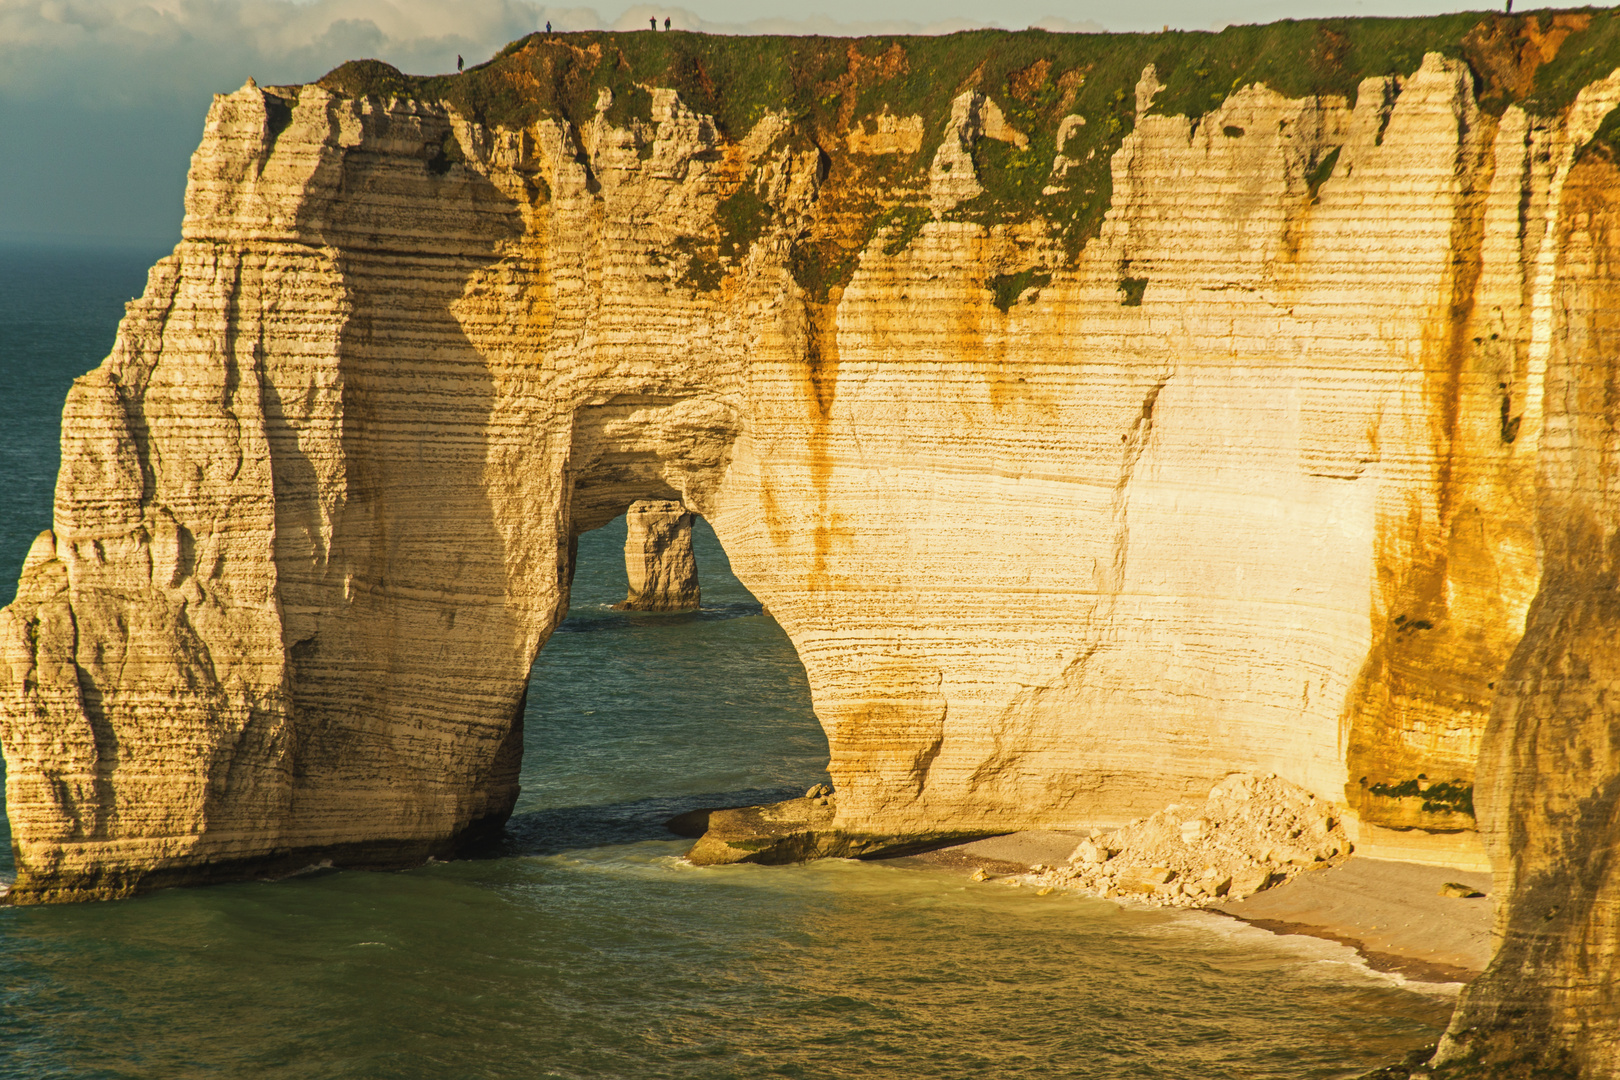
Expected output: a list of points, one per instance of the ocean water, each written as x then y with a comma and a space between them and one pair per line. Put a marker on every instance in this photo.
583, 946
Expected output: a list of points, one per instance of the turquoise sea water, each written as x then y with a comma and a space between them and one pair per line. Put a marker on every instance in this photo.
584, 946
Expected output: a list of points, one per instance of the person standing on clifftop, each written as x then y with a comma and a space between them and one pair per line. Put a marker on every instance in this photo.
666, 22
459, 61
653, 22
548, 26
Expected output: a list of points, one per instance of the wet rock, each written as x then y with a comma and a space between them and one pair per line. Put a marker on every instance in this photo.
693, 823
792, 831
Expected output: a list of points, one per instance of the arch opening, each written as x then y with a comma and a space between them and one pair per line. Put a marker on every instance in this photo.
634, 718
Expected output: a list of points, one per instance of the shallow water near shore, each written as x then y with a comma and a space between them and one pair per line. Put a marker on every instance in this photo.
582, 945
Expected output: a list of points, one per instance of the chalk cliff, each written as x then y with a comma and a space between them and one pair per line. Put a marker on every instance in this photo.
1097, 416
658, 559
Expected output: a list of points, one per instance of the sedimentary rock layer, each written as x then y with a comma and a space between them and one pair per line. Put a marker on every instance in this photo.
1095, 422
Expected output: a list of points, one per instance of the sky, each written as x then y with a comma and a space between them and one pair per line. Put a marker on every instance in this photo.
102, 101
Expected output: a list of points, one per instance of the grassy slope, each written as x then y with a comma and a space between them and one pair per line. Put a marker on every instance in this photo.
1539, 60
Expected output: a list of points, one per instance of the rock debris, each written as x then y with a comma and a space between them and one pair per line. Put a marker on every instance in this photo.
1250, 834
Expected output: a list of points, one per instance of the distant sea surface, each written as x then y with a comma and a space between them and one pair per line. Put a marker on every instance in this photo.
585, 946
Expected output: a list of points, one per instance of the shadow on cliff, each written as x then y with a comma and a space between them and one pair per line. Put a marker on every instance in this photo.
390, 560
573, 828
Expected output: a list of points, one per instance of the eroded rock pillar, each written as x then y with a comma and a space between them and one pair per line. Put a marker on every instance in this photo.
658, 558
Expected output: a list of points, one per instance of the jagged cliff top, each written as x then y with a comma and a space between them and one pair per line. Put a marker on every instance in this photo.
904, 87
826, 83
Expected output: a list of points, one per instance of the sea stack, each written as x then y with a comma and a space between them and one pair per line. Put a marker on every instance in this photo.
658, 558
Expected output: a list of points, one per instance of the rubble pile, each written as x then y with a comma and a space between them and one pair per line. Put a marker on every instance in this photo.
1250, 834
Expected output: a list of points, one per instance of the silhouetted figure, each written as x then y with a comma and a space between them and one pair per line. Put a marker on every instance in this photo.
548, 26
1510, 7
459, 61
653, 23
666, 22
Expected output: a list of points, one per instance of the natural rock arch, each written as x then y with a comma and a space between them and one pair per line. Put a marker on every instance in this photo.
329, 480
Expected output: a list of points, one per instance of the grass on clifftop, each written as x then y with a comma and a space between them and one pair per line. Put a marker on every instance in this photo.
829, 85
831, 81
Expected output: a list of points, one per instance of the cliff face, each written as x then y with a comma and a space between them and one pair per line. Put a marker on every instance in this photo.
1549, 770
1094, 423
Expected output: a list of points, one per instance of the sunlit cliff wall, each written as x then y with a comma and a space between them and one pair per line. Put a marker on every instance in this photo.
1097, 416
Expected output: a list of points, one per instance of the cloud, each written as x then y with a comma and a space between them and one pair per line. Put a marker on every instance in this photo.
130, 52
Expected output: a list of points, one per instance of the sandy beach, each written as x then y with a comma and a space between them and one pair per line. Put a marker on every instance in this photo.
1392, 913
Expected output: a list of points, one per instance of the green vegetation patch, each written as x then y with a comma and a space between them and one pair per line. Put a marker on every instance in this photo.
1455, 797
1131, 290
1007, 288
1320, 172
742, 218
1605, 141
1587, 41
819, 266
827, 83
446, 153
906, 222
370, 78
702, 272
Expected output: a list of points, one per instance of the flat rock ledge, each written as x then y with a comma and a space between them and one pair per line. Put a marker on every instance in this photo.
794, 830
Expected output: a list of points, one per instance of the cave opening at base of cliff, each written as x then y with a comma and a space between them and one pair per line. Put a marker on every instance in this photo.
634, 718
